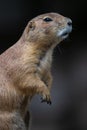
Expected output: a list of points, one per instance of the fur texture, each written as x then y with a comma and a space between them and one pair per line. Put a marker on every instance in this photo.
25, 69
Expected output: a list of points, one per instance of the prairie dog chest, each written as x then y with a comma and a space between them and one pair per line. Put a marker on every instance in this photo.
45, 62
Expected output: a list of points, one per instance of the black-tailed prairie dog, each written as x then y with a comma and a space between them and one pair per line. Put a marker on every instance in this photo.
25, 68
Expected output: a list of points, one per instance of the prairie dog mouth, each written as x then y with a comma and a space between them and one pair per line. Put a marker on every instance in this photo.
64, 33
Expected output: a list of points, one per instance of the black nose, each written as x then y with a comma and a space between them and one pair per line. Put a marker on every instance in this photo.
69, 23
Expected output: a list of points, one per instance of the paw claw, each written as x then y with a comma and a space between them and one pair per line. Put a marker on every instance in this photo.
45, 100
49, 102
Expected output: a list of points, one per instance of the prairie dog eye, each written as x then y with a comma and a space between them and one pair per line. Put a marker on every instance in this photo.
47, 19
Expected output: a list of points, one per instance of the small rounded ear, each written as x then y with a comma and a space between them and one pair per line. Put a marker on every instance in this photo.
31, 26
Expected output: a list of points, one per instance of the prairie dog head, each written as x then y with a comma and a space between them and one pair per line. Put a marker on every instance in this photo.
48, 29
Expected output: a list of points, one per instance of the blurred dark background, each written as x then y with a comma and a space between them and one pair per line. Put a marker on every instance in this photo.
69, 91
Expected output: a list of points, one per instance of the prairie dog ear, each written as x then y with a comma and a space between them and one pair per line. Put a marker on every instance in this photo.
30, 26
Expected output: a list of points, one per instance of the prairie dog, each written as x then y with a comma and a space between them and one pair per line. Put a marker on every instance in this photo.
25, 68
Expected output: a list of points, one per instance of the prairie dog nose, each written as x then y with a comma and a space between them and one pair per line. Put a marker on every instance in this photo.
69, 22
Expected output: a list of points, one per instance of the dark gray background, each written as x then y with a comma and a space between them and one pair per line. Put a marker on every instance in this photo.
69, 91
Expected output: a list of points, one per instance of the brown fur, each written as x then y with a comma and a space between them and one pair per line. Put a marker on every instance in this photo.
25, 70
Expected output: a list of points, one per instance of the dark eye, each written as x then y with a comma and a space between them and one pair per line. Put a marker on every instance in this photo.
47, 19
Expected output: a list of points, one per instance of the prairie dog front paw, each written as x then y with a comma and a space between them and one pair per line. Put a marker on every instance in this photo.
45, 93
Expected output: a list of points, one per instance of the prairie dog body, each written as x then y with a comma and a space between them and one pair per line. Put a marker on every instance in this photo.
25, 68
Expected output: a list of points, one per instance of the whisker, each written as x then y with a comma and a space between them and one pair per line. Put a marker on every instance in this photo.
59, 49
